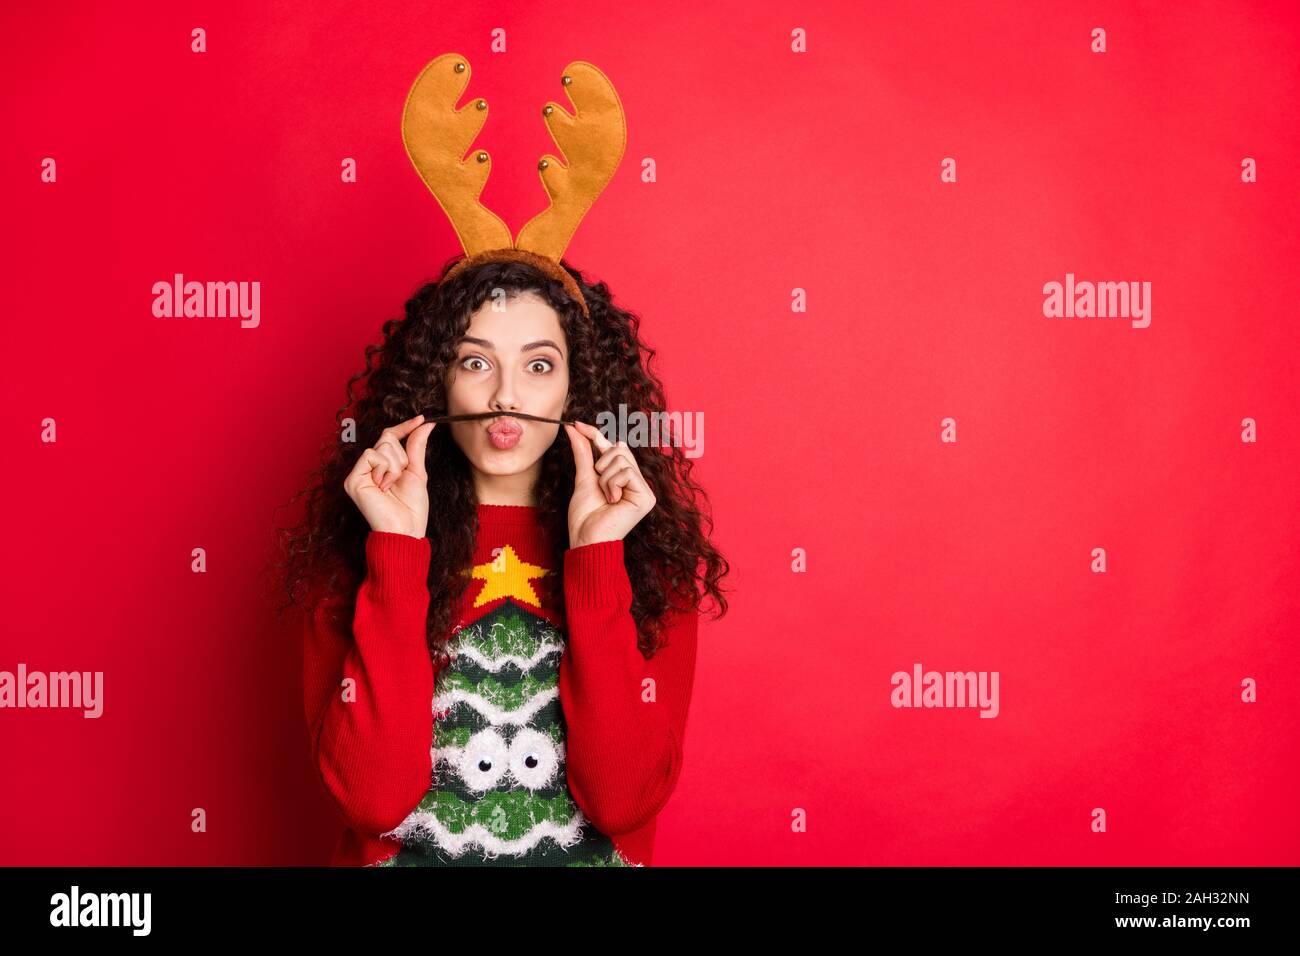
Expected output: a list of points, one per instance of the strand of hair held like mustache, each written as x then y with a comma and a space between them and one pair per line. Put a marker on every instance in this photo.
476, 416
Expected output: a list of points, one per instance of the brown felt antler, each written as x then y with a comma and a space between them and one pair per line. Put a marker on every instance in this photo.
437, 136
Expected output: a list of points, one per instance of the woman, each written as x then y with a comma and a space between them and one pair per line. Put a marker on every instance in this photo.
541, 590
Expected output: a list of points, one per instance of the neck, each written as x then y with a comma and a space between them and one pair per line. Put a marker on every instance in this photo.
516, 490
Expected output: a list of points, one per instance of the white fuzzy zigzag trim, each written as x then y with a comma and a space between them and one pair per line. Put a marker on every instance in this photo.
495, 714
425, 822
495, 664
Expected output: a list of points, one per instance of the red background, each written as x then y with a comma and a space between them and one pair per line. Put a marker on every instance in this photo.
776, 171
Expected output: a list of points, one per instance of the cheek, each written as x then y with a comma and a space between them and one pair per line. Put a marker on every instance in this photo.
460, 393
560, 396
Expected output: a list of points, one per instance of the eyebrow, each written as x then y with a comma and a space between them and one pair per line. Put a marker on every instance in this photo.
540, 343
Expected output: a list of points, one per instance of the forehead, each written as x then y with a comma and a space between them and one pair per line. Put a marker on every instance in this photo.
520, 321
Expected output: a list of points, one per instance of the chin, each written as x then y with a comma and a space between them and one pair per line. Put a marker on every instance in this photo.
490, 460
509, 462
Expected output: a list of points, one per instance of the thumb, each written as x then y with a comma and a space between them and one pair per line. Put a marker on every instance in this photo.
416, 444
584, 467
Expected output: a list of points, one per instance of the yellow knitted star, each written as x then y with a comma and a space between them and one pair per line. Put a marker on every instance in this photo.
507, 576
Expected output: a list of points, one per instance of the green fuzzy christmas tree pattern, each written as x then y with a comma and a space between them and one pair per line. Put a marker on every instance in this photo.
499, 793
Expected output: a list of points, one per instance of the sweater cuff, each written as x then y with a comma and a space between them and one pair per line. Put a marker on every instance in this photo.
397, 565
594, 575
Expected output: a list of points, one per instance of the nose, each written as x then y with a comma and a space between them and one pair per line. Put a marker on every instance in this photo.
503, 395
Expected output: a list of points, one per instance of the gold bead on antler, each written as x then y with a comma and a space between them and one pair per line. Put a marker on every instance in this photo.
482, 104
460, 67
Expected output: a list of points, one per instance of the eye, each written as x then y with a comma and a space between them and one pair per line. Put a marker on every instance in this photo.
464, 363
484, 761
534, 758
541, 361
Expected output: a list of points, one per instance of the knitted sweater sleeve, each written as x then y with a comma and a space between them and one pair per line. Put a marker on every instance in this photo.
624, 746
368, 692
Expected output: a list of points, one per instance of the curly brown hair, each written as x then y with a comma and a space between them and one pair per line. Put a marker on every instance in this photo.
669, 558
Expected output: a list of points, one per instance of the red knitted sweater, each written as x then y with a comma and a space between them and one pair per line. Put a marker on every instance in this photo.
372, 737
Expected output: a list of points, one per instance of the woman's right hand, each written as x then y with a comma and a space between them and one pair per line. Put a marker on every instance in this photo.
389, 483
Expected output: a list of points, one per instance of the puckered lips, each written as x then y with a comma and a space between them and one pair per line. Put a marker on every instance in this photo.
505, 432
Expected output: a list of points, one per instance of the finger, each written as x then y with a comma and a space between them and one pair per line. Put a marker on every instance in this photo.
392, 448
584, 473
608, 477
360, 476
594, 433
620, 452
379, 473
401, 429
417, 447
395, 467
615, 482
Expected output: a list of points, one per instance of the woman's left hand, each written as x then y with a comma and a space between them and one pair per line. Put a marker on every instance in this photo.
609, 495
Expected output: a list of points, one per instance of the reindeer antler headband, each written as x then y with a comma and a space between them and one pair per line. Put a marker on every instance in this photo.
437, 136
